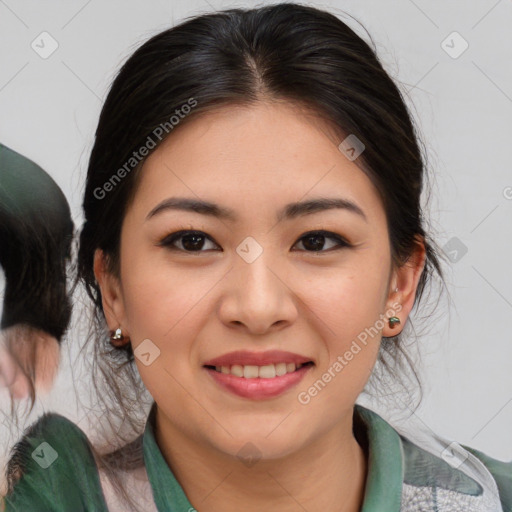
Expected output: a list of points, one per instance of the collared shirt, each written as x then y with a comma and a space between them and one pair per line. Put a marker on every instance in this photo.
60, 473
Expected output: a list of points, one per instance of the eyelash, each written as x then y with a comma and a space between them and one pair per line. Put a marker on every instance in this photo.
168, 240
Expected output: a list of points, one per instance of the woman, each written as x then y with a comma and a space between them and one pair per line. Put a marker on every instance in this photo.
254, 244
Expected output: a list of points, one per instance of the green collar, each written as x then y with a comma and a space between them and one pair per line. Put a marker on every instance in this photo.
385, 461
384, 478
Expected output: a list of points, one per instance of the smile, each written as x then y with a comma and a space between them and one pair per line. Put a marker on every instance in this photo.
268, 371
258, 382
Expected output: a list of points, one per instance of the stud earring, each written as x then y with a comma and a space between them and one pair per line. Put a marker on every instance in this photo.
393, 321
117, 339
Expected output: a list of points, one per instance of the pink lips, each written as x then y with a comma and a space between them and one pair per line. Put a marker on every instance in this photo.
245, 357
258, 388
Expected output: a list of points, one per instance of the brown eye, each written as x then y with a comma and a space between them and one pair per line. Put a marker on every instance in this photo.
191, 241
314, 241
194, 241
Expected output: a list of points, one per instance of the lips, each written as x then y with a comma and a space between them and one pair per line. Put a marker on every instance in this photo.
257, 388
246, 358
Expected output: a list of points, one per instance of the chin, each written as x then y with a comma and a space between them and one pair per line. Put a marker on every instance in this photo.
256, 443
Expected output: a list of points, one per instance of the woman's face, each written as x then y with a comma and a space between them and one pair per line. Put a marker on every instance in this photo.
254, 282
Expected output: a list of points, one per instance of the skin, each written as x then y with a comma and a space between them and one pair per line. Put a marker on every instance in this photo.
198, 305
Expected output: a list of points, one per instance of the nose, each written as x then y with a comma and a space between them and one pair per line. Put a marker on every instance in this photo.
258, 297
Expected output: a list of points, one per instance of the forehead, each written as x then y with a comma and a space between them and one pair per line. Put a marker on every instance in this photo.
264, 155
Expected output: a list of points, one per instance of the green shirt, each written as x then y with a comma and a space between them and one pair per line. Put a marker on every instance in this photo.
61, 473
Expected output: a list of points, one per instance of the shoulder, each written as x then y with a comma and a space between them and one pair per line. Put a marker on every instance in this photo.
53, 468
453, 475
501, 472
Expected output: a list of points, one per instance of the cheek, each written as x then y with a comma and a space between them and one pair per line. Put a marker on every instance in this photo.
345, 301
165, 305
344, 316
157, 295
344, 309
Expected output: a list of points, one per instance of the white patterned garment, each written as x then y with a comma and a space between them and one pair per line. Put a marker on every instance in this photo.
137, 485
456, 481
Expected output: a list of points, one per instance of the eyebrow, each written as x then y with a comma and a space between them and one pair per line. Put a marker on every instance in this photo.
290, 211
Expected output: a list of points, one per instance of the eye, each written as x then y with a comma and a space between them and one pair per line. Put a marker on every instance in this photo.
316, 239
191, 241
194, 241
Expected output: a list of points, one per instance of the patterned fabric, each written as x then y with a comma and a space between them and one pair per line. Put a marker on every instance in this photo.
447, 476
432, 499
432, 484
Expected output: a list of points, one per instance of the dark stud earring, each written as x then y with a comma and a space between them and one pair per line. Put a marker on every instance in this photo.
393, 321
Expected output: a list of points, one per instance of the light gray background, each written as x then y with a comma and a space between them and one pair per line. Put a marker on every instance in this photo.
49, 109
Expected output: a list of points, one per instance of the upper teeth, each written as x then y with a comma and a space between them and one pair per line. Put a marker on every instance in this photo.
265, 372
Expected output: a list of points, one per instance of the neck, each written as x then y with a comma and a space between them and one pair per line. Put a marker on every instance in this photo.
328, 474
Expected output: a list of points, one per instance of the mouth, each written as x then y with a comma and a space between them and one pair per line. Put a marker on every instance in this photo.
258, 382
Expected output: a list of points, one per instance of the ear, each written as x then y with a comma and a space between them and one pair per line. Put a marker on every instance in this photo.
406, 279
111, 295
